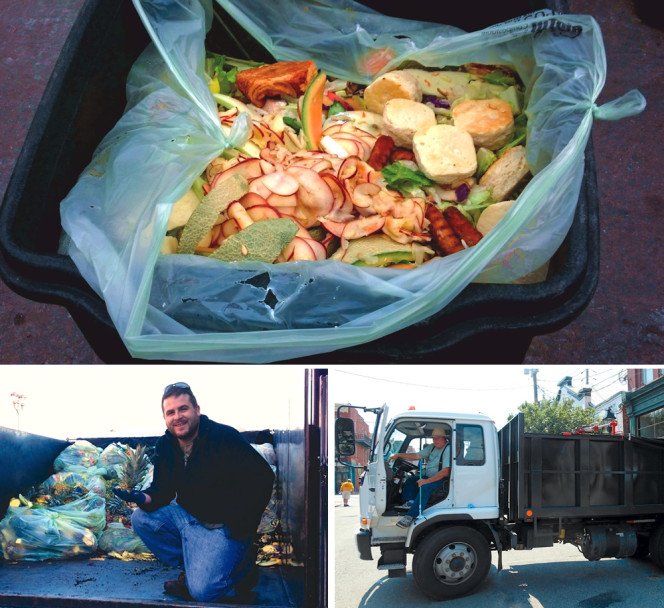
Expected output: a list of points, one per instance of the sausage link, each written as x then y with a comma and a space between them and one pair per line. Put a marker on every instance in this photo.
445, 239
381, 152
462, 226
401, 154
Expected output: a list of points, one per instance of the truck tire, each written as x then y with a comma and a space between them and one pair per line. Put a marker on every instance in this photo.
642, 547
657, 547
451, 562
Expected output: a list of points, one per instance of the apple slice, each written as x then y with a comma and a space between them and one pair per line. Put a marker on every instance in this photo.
267, 166
350, 145
229, 227
314, 194
318, 248
299, 249
251, 199
348, 168
280, 182
237, 212
343, 205
364, 193
262, 212
249, 169
287, 212
363, 226
279, 200
333, 226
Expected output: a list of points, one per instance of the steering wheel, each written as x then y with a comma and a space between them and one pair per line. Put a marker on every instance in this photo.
401, 465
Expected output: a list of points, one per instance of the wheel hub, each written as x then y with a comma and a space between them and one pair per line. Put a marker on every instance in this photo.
454, 562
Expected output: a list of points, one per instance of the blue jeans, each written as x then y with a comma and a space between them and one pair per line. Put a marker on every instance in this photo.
213, 561
410, 491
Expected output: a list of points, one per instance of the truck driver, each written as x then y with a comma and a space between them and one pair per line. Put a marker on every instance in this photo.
437, 462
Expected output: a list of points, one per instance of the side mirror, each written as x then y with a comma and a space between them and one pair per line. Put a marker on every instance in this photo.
344, 430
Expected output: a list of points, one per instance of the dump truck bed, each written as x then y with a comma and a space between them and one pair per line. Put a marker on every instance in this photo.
106, 582
578, 476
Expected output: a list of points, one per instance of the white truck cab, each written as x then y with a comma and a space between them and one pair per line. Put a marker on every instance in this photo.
473, 481
470, 493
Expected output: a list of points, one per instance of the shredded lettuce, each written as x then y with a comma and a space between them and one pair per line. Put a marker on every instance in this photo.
485, 158
403, 179
499, 77
224, 70
292, 123
336, 108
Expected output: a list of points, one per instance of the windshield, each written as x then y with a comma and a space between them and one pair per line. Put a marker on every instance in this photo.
393, 443
410, 436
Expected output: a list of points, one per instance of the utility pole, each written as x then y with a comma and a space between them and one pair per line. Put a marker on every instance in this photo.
18, 403
533, 373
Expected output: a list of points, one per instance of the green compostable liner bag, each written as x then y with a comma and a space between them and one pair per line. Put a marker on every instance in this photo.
192, 308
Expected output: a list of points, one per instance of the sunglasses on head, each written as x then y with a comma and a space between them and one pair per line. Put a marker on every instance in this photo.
182, 385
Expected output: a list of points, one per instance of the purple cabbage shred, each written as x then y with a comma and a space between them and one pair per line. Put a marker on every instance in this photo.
462, 192
437, 102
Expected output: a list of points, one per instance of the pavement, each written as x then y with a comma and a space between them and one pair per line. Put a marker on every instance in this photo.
539, 578
624, 321
106, 582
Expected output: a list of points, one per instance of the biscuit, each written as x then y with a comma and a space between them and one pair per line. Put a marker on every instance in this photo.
445, 153
489, 121
396, 84
403, 117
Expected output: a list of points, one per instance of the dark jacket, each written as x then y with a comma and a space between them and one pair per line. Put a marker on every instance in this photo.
225, 481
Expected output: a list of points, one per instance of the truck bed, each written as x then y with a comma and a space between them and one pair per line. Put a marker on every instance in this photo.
567, 476
105, 582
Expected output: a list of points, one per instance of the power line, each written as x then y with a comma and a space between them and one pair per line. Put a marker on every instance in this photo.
420, 385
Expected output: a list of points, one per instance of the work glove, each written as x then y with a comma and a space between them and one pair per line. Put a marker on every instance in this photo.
129, 495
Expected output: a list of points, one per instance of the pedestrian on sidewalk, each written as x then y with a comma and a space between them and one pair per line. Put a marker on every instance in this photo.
346, 488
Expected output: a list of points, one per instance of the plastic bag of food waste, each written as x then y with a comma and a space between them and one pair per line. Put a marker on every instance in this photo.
188, 307
35, 533
130, 466
266, 450
270, 517
80, 456
118, 538
112, 458
66, 486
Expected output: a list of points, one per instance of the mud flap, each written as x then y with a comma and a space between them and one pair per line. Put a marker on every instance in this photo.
499, 549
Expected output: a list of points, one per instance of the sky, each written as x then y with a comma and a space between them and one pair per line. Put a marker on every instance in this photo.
70, 401
493, 390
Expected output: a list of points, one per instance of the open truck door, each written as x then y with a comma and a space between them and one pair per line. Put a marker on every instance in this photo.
373, 482
373, 486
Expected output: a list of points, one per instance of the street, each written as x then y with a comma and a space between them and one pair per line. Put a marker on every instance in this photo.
540, 578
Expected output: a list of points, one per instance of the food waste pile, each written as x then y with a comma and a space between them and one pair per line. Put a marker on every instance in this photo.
418, 164
74, 513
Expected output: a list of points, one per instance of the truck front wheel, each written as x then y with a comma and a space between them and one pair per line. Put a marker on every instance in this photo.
451, 562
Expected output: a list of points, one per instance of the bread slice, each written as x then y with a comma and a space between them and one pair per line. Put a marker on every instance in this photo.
506, 173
